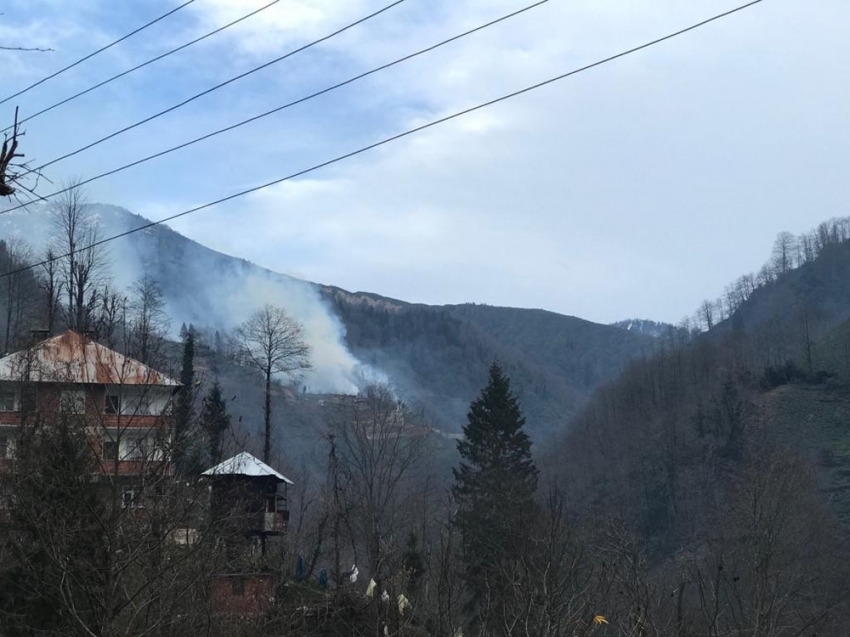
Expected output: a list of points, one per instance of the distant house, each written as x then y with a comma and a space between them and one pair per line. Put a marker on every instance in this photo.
251, 494
248, 501
125, 404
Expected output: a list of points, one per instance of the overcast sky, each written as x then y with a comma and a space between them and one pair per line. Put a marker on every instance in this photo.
632, 190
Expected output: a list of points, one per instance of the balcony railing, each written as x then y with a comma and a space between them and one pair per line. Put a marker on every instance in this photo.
275, 522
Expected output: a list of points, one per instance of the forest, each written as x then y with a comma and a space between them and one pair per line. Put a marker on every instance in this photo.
702, 490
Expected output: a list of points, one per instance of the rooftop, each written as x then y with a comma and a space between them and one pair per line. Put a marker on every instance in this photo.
244, 464
73, 358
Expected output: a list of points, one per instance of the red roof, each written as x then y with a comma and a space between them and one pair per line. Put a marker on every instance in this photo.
74, 358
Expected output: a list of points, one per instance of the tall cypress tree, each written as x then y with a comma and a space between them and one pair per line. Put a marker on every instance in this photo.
494, 489
215, 420
183, 410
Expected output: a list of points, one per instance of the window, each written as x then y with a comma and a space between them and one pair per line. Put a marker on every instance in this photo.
131, 446
29, 400
7, 399
113, 404
110, 449
137, 405
139, 448
72, 402
131, 498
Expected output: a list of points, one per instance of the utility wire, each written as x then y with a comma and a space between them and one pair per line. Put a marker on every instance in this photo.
100, 50
216, 87
144, 64
285, 106
388, 140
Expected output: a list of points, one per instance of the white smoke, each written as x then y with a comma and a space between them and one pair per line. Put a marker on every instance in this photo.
212, 290
335, 369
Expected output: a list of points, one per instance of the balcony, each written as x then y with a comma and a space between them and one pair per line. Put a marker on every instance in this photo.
276, 515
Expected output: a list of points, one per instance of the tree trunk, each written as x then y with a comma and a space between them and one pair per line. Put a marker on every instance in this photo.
267, 447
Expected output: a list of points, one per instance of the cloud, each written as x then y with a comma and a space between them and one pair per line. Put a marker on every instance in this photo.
637, 188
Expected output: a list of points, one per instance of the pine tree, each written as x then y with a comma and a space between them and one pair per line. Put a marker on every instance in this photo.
494, 490
215, 421
183, 410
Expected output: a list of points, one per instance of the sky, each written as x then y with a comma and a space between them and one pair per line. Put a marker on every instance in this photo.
635, 189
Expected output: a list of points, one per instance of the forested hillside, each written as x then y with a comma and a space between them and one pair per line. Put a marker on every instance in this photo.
726, 455
435, 354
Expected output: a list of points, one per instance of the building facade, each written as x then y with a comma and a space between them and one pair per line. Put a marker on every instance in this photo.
125, 405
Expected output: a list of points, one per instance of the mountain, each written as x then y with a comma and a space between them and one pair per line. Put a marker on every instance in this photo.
435, 356
202, 286
438, 354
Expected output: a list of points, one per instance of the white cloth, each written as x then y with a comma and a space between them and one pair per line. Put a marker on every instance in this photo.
370, 590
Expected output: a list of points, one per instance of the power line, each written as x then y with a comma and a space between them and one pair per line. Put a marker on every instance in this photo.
300, 100
216, 87
144, 64
100, 50
393, 138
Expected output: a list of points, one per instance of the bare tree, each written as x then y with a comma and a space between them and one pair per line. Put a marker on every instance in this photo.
107, 314
765, 275
769, 571
14, 173
148, 322
784, 249
806, 249
83, 263
706, 314
381, 441
51, 284
272, 342
10, 173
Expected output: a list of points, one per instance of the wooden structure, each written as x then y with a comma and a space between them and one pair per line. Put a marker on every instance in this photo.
248, 505
248, 496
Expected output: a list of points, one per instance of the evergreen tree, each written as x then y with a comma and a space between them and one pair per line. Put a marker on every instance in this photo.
215, 421
185, 398
413, 563
494, 489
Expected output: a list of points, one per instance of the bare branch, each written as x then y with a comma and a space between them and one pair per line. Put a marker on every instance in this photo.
28, 49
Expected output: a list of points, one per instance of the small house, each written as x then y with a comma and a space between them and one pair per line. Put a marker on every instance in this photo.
248, 496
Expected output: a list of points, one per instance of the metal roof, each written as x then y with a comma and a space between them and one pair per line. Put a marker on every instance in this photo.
244, 464
73, 358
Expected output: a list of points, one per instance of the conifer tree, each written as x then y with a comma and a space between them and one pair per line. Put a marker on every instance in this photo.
215, 421
183, 410
494, 489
